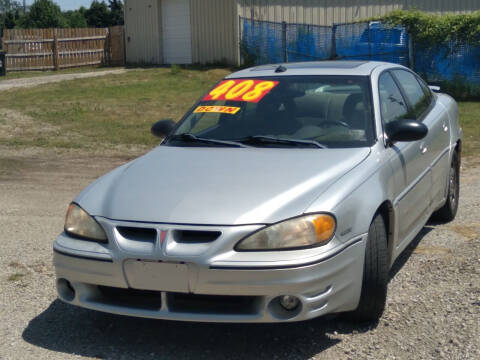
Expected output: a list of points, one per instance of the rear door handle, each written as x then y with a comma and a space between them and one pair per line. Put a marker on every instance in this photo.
423, 148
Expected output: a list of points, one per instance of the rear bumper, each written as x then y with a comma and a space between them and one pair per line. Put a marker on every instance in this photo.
215, 293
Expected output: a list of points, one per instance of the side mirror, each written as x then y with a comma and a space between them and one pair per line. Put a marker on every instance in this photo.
406, 130
163, 128
435, 88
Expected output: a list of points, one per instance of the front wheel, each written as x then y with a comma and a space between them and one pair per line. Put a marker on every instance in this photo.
375, 275
448, 211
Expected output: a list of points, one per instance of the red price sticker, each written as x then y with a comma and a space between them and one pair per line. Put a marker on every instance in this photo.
241, 90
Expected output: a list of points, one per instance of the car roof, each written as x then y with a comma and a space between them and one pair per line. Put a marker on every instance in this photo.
338, 67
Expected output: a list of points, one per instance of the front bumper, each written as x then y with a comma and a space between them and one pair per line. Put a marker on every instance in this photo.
208, 287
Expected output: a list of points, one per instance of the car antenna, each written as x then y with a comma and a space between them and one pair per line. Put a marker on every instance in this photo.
280, 69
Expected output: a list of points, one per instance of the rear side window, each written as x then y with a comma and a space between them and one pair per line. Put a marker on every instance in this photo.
392, 105
416, 96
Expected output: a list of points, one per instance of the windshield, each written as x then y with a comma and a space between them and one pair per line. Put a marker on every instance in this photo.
287, 111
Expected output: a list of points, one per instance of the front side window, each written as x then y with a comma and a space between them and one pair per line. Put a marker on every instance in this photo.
333, 111
392, 104
418, 99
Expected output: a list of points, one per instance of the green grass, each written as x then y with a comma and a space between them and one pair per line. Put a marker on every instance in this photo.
108, 111
470, 122
118, 110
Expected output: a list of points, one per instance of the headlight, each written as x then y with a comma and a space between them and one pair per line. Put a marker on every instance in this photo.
302, 232
79, 223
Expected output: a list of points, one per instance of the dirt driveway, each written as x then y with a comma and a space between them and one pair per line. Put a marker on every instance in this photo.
433, 308
40, 80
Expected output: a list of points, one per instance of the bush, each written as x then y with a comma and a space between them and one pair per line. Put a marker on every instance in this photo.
432, 30
175, 69
440, 39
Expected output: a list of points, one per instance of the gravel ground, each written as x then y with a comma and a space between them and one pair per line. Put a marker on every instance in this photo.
40, 80
433, 309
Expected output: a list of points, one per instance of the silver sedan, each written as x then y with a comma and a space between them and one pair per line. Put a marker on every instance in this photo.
286, 193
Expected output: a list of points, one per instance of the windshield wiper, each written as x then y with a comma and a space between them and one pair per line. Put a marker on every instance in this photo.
188, 137
266, 140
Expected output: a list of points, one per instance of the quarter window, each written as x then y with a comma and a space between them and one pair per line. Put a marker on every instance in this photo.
416, 96
392, 104
426, 90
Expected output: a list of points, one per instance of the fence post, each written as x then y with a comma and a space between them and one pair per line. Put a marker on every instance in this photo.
3, 61
3, 53
240, 42
411, 53
108, 47
369, 42
284, 42
56, 59
333, 54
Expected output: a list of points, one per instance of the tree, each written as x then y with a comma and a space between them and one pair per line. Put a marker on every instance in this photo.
75, 19
44, 14
9, 14
8, 5
98, 15
116, 12
9, 20
102, 15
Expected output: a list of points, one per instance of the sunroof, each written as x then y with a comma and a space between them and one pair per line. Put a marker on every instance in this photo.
315, 65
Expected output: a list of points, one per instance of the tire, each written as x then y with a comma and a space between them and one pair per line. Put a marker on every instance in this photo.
375, 275
448, 211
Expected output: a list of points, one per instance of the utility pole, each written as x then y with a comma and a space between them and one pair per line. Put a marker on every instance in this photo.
24, 6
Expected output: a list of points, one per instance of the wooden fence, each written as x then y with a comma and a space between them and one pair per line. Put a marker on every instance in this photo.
54, 49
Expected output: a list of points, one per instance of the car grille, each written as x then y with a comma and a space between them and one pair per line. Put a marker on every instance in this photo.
141, 299
195, 236
212, 304
177, 302
138, 234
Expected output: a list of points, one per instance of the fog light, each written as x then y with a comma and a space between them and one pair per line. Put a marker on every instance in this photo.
65, 290
289, 302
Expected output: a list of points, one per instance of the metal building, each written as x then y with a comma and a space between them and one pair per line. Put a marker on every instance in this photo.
207, 31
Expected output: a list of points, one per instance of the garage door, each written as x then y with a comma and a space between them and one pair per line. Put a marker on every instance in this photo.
177, 33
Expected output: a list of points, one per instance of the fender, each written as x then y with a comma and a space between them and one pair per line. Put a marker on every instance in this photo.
356, 198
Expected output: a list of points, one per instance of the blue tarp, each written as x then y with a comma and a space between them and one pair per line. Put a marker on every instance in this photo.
263, 43
452, 62
372, 41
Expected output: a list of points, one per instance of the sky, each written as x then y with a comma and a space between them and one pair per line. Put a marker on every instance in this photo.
66, 4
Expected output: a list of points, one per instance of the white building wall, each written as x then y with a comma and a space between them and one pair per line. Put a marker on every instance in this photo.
143, 40
215, 23
328, 12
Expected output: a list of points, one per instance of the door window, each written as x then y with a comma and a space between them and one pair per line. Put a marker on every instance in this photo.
392, 104
418, 99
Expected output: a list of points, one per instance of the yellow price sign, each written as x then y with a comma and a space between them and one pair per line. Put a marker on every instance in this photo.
217, 109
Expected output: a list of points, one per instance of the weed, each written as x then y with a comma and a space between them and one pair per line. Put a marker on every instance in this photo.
16, 277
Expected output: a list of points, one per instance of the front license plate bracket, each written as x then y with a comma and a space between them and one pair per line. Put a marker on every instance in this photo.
157, 276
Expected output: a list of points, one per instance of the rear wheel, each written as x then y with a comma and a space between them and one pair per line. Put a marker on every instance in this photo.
375, 275
448, 211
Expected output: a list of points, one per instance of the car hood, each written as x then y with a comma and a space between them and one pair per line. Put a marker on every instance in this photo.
218, 186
